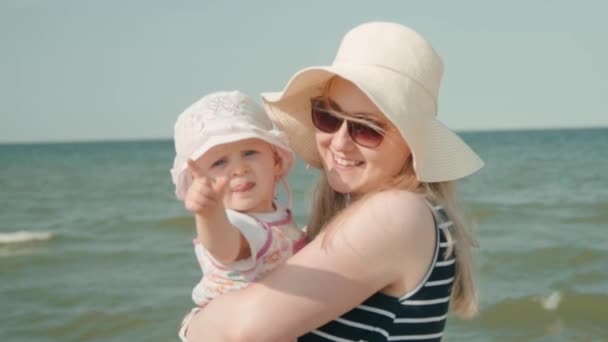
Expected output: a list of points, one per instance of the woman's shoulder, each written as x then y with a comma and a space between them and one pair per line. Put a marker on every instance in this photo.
402, 197
400, 205
400, 214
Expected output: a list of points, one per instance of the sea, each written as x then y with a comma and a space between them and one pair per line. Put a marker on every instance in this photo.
95, 247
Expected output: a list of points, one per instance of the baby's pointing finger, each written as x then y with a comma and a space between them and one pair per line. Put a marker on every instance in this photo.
219, 184
195, 171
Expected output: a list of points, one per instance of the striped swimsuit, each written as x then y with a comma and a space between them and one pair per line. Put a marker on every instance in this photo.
419, 315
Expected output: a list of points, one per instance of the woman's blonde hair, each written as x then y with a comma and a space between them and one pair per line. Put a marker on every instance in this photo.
327, 204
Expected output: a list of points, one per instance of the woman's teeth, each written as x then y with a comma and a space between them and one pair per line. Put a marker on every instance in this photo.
345, 162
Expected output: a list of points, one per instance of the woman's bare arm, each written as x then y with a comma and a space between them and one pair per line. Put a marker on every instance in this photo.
374, 247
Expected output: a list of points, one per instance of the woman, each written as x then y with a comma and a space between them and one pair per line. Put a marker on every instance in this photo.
388, 253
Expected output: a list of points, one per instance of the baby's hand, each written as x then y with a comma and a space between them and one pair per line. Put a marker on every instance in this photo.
205, 195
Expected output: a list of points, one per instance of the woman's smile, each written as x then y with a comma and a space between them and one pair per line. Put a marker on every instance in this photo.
345, 162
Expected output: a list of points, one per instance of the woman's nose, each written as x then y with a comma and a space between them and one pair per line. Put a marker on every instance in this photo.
341, 140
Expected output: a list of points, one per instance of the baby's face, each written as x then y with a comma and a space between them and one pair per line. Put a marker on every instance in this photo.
252, 167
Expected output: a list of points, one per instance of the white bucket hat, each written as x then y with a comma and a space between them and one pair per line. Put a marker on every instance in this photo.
221, 118
401, 73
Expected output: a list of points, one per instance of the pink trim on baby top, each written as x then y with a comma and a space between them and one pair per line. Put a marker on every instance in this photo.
267, 226
268, 242
261, 252
282, 221
299, 244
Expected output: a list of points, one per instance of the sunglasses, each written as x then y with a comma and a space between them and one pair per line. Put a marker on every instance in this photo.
360, 133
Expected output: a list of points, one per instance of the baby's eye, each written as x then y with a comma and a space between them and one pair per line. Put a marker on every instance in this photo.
219, 162
250, 152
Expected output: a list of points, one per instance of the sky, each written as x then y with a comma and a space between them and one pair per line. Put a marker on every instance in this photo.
86, 70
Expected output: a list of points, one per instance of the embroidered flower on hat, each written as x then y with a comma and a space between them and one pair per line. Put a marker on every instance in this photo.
217, 106
223, 105
196, 121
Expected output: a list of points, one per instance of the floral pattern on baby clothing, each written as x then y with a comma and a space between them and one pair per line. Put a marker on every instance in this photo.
282, 240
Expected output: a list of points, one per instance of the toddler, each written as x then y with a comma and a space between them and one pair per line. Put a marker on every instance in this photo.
228, 161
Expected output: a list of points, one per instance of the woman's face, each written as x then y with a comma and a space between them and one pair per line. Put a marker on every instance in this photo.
350, 167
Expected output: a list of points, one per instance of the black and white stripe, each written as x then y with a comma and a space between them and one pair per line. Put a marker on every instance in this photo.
419, 315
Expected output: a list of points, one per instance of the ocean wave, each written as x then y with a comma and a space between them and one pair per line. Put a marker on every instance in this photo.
24, 236
551, 302
544, 308
563, 255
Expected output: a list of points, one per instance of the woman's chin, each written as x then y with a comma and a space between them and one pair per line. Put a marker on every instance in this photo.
342, 186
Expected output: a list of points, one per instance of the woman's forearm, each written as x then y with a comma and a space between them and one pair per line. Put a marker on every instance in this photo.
355, 263
224, 320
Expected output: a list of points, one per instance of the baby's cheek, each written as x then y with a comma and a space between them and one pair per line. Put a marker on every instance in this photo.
227, 199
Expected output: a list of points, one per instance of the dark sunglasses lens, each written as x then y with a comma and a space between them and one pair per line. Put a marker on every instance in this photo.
324, 121
365, 135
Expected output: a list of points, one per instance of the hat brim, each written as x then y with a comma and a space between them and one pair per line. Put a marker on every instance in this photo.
438, 153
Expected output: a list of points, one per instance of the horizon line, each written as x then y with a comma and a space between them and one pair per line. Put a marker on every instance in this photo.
159, 139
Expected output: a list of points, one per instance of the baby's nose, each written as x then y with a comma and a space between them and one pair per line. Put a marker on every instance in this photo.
240, 169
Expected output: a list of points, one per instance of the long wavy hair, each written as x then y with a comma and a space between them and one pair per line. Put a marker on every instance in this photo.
328, 204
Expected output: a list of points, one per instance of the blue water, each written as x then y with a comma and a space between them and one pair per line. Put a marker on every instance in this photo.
94, 247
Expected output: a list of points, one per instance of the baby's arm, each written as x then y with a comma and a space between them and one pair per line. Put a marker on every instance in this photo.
215, 232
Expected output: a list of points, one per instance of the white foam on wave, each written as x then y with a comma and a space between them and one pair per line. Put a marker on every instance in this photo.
24, 236
551, 302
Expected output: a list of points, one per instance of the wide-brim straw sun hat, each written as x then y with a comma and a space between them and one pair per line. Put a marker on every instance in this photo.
221, 118
401, 74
